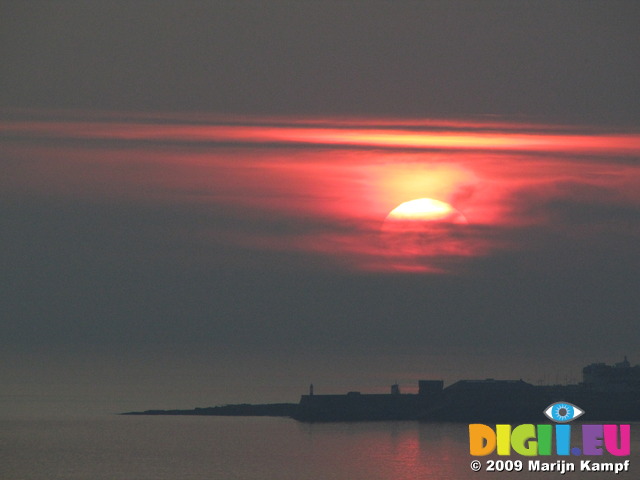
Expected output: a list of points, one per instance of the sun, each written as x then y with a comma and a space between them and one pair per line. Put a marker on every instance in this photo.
423, 228
424, 210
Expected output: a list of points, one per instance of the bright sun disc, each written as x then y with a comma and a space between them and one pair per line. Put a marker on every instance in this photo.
426, 210
424, 227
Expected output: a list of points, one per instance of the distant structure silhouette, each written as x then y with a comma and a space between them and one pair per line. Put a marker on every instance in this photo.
620, 376
607, 392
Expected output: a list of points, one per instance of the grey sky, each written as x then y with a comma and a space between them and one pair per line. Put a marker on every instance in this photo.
570, 60
136, 274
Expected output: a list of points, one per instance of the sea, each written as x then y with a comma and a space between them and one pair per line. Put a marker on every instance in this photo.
115, 447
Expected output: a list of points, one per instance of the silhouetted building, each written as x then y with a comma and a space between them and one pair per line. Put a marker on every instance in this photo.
355, 406
485, 401
608, 393
430, 388
620, 376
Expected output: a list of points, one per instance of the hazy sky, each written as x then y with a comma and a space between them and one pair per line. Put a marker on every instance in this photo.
194, 196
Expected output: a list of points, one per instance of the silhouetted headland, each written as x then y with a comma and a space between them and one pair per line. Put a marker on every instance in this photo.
237, 410
607, 393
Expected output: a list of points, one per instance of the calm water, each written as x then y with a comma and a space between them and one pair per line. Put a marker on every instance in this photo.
131, 448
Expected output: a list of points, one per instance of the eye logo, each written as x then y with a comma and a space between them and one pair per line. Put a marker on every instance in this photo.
563, 412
